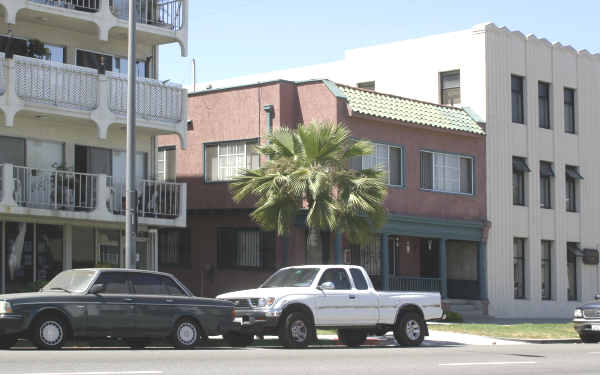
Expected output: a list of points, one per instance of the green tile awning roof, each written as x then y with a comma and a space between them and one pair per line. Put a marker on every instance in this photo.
409, 110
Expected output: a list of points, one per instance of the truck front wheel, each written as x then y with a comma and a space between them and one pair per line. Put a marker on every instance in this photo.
410, 329
352, 337
296, 331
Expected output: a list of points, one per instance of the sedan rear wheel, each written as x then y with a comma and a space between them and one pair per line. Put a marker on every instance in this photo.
49, 332
7, 342
187, 334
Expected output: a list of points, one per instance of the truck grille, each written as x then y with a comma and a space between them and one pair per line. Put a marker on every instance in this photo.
591, 313
240, 303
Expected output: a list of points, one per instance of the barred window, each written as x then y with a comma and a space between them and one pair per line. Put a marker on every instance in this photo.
544, 104
519, 267
246, 248
173, 247
546, 270
369, 256
569, 110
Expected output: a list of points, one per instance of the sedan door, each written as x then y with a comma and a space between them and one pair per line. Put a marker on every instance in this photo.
336, 307
112, 312
155, 309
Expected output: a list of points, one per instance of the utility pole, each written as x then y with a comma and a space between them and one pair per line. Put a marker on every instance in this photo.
194, 66
130, 188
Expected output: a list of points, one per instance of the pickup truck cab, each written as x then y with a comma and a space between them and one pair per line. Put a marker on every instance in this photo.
295, 301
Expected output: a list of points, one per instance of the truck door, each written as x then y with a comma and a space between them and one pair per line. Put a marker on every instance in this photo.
336, 306
367, 303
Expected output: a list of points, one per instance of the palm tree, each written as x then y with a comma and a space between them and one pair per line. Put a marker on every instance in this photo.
308, 169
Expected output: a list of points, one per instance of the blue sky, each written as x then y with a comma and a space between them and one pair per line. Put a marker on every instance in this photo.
230, 38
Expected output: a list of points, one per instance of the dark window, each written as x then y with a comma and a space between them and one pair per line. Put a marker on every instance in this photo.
114, 282
519, 267
249, 248
395, 171
147, 284
519, 169
359, 279
338, 277
368, 85
569, 110
572, 249
427, 170
546, 270
544, 104
13, 45
518, 107
546, 174
572, 176
173, 247
450, 85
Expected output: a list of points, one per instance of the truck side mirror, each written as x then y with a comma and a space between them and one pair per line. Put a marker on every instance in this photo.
328, 285
97, 289
597, 297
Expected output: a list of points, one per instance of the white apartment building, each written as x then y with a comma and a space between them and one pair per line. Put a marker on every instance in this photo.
63, 104
540, 102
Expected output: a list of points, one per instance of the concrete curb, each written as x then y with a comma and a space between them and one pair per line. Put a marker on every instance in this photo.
546, 341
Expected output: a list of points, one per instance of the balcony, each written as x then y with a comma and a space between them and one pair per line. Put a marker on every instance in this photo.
82, 196
159, 21
28, 84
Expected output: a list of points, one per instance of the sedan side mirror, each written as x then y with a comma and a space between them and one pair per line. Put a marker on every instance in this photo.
328, 285
97, 289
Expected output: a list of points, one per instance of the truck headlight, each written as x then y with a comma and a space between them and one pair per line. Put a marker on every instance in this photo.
266, 302
578, 313
5, 308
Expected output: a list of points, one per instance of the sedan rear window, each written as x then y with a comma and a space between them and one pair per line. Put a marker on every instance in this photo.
147, 284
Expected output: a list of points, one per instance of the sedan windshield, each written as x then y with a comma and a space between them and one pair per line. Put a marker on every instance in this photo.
291, 277
71, 281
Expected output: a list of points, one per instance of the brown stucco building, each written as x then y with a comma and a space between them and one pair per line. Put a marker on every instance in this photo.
434, 155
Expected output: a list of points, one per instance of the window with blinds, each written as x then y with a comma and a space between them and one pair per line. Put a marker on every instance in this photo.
224, 161
448, 173
386, 158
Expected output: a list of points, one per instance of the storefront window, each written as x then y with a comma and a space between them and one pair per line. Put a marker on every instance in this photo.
19, 257
109, 246
49, 251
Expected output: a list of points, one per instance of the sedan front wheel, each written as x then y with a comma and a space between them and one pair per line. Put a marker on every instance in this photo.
49, 332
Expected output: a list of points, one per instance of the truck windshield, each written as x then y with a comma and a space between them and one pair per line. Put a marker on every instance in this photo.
71, 281
291, 277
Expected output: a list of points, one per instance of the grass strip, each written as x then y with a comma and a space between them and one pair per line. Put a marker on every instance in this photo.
512, 331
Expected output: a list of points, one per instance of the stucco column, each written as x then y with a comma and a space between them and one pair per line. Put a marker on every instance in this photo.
338, 257
8, 185
482, 262
443, 273
385, 268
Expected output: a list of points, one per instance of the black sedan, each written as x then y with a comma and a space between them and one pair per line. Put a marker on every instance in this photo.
587, 322
136, 306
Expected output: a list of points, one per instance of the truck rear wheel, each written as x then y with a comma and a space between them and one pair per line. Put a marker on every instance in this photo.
410, 329
352, 337
296, 331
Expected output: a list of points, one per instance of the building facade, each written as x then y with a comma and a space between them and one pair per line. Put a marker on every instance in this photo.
539, 103
434, 156
63, 104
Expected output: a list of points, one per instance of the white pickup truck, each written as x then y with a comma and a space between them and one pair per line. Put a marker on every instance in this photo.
295, 301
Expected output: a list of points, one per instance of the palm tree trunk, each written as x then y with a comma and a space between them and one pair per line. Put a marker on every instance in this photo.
314, 247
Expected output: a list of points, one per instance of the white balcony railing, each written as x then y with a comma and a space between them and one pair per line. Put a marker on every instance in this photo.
158, 199
84, 5
155, 100
96, 197
62, 85
162, 13
53, 189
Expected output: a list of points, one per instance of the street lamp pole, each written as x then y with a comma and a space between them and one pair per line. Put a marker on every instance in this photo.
130, 188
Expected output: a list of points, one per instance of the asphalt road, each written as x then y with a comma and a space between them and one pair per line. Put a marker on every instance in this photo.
434, 358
